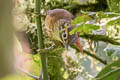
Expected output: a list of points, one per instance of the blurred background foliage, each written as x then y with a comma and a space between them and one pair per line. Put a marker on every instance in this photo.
98, 23
6, 40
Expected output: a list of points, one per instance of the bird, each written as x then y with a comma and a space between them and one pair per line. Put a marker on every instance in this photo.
57, 27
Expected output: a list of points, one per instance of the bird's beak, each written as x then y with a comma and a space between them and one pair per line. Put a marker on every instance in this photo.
66, 46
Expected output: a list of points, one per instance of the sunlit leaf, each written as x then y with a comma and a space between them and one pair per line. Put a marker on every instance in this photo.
113, 22
80, 19
102, 15
85, 28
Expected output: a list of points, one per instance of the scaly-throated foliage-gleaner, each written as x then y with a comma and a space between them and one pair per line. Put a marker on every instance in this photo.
57, 27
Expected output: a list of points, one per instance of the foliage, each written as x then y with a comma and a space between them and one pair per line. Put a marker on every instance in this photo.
56, 65
84, 29
82, 18
17, 77
113, 52
110, 72
59, 65
114, 5
107, 21
62, 66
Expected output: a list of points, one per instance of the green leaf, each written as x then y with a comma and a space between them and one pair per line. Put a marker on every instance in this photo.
80, 19
102, 15
84, 28
110, 72
113, 22
110, 52
113, 51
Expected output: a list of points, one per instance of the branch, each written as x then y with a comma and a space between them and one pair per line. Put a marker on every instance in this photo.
94, 56
40, 78
27, 73
90, 54
35, 14
107, 13
43, 57
100, 38
46, 50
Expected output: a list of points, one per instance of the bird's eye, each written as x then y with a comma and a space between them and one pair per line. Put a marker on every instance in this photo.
64, 36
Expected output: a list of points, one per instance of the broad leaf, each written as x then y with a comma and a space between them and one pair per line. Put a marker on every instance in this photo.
113, 22
110, 72
84, 29
82, 18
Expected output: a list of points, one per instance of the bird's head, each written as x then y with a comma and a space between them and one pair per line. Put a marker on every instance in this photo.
57, 24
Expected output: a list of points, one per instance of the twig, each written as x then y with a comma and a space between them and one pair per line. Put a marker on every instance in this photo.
46, 49
40, 78
100, 38
94, 56
35, 13
107, 13
90, 54
27, 73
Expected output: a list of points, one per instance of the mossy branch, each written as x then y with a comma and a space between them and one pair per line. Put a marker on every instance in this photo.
40, 40
103, 38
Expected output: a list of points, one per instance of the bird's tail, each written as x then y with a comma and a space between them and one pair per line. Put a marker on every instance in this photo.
78, 45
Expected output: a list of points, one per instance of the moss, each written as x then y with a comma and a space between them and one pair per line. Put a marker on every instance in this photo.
56, 64
60, 66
